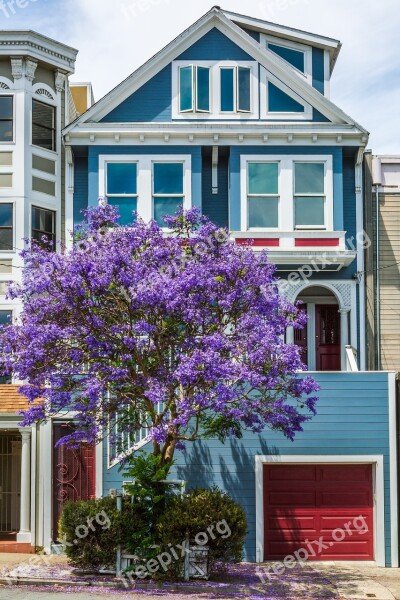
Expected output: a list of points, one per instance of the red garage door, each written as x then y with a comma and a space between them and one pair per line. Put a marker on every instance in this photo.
325, 509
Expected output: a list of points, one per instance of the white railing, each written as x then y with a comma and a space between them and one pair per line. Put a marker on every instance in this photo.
351, 359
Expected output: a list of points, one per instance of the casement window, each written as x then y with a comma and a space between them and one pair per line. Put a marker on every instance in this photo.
6, 119
5, 319
263, 195
6, 226
194, 89
286, 193
168, 190
43, 125
154, 186
44, 224
121, 189
215, 90
235, 89
309, 195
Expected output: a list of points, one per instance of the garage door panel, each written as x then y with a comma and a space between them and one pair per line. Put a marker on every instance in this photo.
299, 512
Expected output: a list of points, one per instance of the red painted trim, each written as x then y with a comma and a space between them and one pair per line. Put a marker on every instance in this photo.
310, 242
274, 242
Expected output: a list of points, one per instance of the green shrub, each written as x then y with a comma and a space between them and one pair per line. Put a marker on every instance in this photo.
210, 512
91, 530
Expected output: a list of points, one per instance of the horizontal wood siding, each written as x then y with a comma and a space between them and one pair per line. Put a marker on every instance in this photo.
352, 419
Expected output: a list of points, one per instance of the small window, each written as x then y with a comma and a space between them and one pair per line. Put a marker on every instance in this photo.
121, 189
235, 89
168, 186
43, 125
6, 226
194, 89
5, 319
6, 119
309, 195
44, 224
263, 195
294, 57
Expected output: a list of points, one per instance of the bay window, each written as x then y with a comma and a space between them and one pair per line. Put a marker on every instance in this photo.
44, 125
6, 226
44, 224
286, 193
168, 190
6, 119
121, 189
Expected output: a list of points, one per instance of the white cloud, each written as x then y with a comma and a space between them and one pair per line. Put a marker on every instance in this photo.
116, 36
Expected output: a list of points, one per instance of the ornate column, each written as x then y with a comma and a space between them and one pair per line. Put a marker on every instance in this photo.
24, 534
344, 336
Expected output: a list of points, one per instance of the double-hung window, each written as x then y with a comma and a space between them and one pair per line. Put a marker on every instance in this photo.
43, 125
121, 189
6, 119
194, 89
263, 195
235, 87
168, 189
6, 226
44, 225
309, 195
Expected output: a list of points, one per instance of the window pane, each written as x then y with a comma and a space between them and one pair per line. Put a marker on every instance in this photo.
166, 207
278, 101
43, 220
244, 89
121, 178
310, 210
203, 89
263, 212
43, 125
309, 178
227, 90
6, 215
168, 178
186, 88
263, 178
5, 317
6, 107
126, 207
294, 57
6, 238
6, 131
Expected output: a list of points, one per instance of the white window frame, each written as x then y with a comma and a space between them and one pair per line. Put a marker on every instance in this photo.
215, 91
11, 94
14, 217
267, 76
195, 109
144, 190
54, 104
306, 50
286, 214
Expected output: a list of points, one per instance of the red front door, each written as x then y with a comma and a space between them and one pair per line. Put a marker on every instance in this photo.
74, 476
326, 510
327, 326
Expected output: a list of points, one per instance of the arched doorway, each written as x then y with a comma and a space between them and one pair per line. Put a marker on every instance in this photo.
320, 340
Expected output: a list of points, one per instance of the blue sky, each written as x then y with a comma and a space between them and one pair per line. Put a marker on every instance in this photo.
115, 37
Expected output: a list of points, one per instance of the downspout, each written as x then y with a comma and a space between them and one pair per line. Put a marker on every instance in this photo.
377, 182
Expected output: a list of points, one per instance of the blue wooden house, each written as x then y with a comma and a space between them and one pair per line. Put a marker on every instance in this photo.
234, 117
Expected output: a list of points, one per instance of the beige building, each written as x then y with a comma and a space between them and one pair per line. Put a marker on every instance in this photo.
382, 187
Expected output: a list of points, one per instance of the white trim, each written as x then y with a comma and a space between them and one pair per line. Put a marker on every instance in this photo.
145, 177
394, 524
285, 43
215, 91
327, 75
265, 78
285, 190
99, 469
379, 510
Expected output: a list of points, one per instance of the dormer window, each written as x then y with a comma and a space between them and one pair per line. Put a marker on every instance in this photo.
194, 89
215, 90
297, 55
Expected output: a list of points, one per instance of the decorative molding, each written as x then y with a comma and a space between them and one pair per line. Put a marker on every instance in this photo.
4, 86
60, 81
30, 69
43, 92
27, 46
342, 291
17, 68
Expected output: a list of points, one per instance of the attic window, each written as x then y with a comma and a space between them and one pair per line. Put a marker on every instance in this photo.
194, 89
235, 89
294, 57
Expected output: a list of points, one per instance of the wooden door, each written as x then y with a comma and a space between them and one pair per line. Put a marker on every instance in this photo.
327, 327
74, 476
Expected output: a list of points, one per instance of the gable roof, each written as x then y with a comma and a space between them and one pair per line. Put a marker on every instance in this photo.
214, 18
289, 33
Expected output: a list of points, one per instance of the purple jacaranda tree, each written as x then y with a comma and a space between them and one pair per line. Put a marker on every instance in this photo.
181, 333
